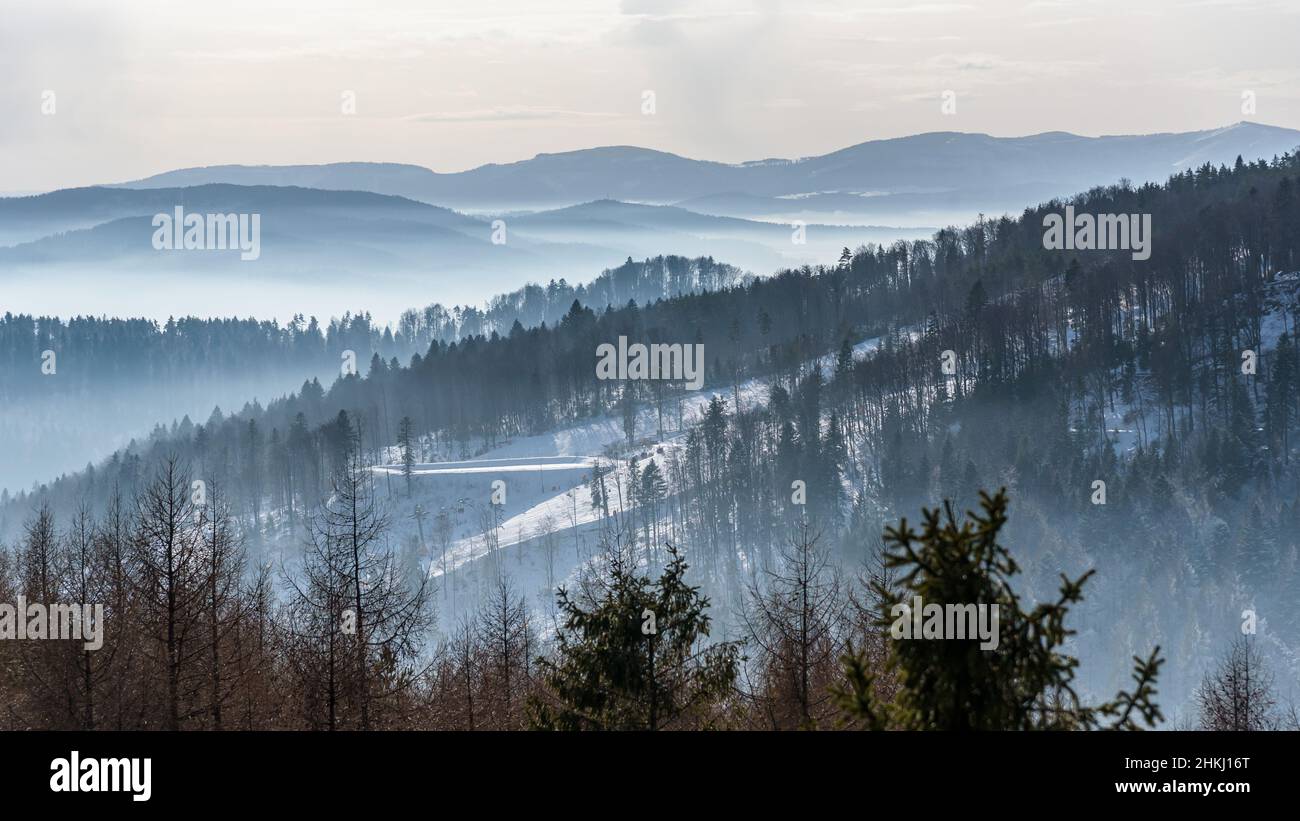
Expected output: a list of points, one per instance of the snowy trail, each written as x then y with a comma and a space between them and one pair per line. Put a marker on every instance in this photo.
513, 465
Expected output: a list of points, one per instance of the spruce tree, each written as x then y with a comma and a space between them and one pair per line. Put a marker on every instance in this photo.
1026, 682
404, 437
631, 655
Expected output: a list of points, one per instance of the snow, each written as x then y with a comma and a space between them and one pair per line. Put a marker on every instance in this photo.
512, 465
547, 498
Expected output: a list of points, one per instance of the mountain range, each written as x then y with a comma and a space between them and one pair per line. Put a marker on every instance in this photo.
386, 237
90, 250
930, 168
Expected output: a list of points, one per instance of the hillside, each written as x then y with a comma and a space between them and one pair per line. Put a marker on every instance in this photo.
1069, 368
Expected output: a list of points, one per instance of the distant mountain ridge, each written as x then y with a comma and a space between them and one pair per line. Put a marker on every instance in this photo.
1051, 164
319, 250
403, 235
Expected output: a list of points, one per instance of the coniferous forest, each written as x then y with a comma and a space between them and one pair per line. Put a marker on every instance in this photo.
454, 523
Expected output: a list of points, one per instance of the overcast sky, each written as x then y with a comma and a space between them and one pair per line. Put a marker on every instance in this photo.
141, 87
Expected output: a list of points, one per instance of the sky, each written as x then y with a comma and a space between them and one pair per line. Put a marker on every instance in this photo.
94, 92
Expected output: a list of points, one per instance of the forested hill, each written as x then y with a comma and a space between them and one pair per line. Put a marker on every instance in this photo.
100, 352
1220, 233
534, 304
114, 379
1068, 369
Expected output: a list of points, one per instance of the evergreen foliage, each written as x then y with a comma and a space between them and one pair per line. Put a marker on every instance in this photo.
1025, 683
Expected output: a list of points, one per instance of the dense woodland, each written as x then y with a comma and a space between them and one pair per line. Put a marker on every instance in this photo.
107, 381
95, 354
1071, 368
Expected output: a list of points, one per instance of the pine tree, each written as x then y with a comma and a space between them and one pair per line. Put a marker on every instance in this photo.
599, 494
627, 407
252, 484
1281, 408
1026, 682
844, 360
649, 494
631, 655
404, 441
